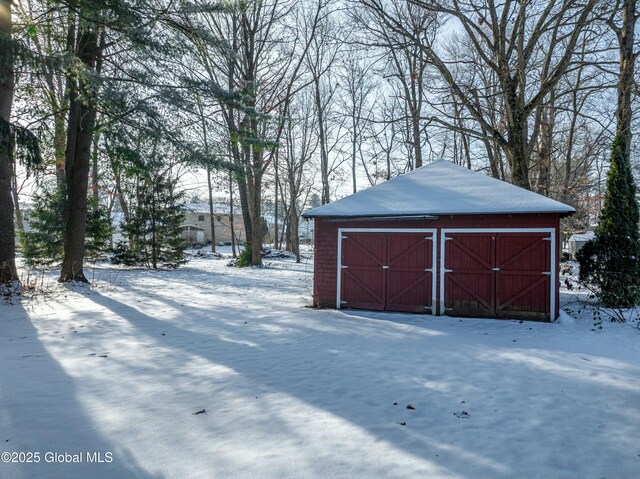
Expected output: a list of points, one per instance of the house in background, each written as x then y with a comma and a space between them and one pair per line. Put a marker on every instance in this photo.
577, 241
197, 224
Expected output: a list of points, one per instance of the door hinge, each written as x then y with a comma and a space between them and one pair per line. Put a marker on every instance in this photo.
343, 302
448, 270
428, 238
547, 239
385, 267
447, 238
343, 266
547, 273
430, 270
495, 269
345, 237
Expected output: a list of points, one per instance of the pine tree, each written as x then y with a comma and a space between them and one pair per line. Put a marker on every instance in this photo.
43, 244
610, 260
154, 227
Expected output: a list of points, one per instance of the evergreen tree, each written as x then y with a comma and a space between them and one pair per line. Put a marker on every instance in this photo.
43, 244
154, 227
610, 260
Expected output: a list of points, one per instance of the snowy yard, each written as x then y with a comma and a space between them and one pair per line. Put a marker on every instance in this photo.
293, 392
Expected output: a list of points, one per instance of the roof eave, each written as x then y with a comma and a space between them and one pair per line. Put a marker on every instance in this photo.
562, 214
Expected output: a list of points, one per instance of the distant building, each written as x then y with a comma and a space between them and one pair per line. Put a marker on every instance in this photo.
197, 224
577, 241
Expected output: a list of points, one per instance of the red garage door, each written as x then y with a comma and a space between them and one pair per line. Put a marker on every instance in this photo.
503, 275
387, 270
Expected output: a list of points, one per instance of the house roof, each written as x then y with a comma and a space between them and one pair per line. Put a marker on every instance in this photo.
581, 237
439, 188
203, 208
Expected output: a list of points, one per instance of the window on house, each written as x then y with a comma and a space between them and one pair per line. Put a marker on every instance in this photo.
200, 217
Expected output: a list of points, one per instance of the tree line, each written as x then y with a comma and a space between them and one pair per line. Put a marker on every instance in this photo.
296, 101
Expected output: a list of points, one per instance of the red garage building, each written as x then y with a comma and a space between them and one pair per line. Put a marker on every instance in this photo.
441, 240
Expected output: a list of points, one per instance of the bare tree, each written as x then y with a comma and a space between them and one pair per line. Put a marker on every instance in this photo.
528, 45
405, 58
357, 85
300, 145
320, 64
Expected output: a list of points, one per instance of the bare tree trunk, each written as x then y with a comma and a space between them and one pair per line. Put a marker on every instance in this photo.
231, 220
544, 153
8, 271
94, 171
211, 216
626, 83
95, 191
154, 243
517, 153
244, 199
354, 146
16, 199
60, 106
256, 219
59, 145
325, 197
275, 199
568, 165
82, 116
415, 135
294, 226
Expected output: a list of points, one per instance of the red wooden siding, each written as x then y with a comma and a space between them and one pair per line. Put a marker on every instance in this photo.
391, 271
326, 251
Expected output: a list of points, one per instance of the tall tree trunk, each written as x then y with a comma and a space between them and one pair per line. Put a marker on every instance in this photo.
626, 83
96, 140
275, 200
59, 146
324, 155
212, 224
568, 166
415, 135
544, 153
245, 205
95, 193
231, 220
154, 242
82, 116
8, 271
60, 118
16, 200
517, 153
354, 147
294, 225
256, 219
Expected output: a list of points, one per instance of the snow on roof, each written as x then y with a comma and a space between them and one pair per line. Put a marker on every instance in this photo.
218, 208
440, 187
582, 237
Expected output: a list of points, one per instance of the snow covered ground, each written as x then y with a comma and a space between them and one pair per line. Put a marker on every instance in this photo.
293, 392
